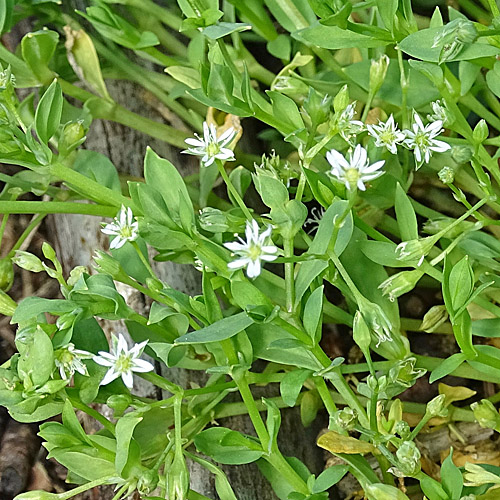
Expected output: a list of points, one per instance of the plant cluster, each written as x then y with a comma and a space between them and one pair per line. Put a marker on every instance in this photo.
354, 102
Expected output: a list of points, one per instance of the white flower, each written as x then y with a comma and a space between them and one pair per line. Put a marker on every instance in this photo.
69, 360
386, 134
357, 170
211, 147
422, 139
122, 361
346, 126
123, 227
253, 250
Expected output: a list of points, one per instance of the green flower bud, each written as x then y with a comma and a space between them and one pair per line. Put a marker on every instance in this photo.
119, 403
28, 261
486, 414
408, 456
400, 283
147, 482
402, 429
481, 132
178, 478
72, 136
446, 175
345, 419
475, 475
461, 154
66, 320
317, 106
361, 332
434, 318
48, 251
453, 37
376, 320
436, 407
106, 264
378, 70
341, 100
404, 372
7, 305
213, 220
290, 86
415, 250
6, 274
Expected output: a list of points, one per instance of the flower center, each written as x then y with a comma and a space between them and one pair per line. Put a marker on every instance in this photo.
421, 140
352, 176
387, 137
254, 252
123, 364
213, 148
126, 232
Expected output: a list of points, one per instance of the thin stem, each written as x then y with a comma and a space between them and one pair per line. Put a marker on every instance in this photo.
83, 487
325, 395
144, 260
55, 207
31, 226
234, 191
289, 275
94, 414
404, 90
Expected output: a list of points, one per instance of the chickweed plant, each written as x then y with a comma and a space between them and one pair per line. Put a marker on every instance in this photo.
348, 159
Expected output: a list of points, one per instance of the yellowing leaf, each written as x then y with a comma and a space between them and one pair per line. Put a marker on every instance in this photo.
336, 443
455, 393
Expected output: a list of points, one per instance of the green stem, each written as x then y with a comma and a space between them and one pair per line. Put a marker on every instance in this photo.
289, 275
233, 191
404, 90
94, 414
83, 487
55, 207
325, 395
31, 226
144, 260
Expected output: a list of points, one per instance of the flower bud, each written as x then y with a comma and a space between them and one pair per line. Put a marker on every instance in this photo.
475, 475
461, 154
147, 482
290, 86
378, 70
119, 403
481, 132
178, 478
317, 106
486, 414
341, 100
408, 456
48, 251
7, 78
72, 136
361, 332
415, 250
28, 261
436, 407
400, 283
439, 113
7, 305
106, 264
434, 318
402, 429
6, 274
213, 220
66, 320
404, 372
446, 175
345, 419
376, 320
453, 37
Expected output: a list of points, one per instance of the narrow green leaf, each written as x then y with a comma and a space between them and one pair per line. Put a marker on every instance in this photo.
48, 113
405, 215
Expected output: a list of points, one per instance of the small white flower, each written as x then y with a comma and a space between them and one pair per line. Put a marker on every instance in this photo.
386, 134
422, 139
69, 360
346, 126
122, 361
357, 170
253, 250
123, 227
211, 147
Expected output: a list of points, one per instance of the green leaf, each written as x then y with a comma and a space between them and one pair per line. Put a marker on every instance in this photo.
97, 167
220, 330
292, 14
492, 78
166, 179
329, 477
334, 38
48, 112
227, 446
37, 360
71, 423
405, 215
419, 45
432, 489
170, 354
286, 109
223, 29
6, 9
460, 284
447, 366
451, 478
273, 192
31, 307
313, 311
387, 10
124, 431
37, 49
291, 385
468, 73
280, 47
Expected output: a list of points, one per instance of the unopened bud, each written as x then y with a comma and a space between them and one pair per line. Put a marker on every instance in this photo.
400, 283
378, 70
481, 132
345, 419
106, 264
341, 100
486, 414
434, 318
446, 175
436, 407
178, 478
213, 220
147, 482
415, 250
461, 154
72, 137
402, 429
361, 332
317, 106
28, 261
66, 320
380, 491
408, 456
119, 403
